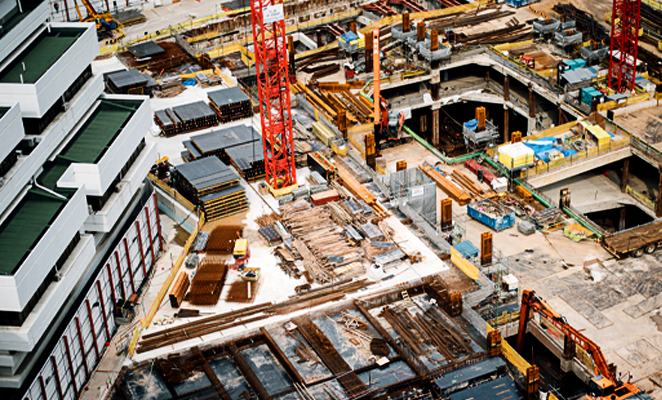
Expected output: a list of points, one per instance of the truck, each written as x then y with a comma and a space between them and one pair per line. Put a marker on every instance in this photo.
634, 241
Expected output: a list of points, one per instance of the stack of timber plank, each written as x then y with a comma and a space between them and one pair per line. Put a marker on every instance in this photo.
239, 146
185, 118
461, 196
211, 185
230, 104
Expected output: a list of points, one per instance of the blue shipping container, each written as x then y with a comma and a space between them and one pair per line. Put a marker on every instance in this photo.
496, 223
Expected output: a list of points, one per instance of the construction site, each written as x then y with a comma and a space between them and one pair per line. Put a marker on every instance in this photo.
392, 199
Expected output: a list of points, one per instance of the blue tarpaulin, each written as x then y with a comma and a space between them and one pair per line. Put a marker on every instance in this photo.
349, 36
569, 152
472, 124
189, 82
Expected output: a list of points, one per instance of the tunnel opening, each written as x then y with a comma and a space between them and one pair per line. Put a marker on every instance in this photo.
620, 218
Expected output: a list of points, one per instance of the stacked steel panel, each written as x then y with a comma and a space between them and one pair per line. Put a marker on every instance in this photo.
211, 185
185, 118
230, 104
239, 146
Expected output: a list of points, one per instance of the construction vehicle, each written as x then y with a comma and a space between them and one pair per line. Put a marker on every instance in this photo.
604, 385
388, 124
107, 26
634, 241
529, 62
242, 254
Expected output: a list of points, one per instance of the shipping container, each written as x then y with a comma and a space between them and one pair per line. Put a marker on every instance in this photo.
492, 214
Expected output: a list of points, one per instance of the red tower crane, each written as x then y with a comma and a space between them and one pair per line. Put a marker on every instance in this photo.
624, 42
273, 87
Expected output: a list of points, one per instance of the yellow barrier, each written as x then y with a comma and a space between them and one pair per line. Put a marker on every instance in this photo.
134, 341
463, 264
145, 322
171, 192
508, 46
610, 105
643, 199
511, 355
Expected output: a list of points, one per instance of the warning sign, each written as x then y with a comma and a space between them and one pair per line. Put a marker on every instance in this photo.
273, 14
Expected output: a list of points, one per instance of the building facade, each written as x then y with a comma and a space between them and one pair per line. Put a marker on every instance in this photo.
79, 228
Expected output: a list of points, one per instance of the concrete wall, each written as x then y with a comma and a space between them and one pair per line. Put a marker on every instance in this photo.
181, 215
51, 140
12, 39
104, 220
17, 290
37, 98
11, 130
98, 296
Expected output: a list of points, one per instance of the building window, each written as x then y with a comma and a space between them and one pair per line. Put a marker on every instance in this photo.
35, 126
97, 202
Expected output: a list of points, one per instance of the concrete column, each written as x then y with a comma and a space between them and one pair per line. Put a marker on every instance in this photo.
368, 52
506, 122
658, 212
560, 119
292, 64
625, 175
532, 102
435, 128
506, 88
487, 75
434, 82
621, 219
319, 39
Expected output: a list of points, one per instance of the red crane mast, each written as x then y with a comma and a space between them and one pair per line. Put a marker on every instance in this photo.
273, 86
624, 42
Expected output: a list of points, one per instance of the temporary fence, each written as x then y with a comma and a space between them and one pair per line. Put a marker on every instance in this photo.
511, 355
593, 151
171, 192
147, 320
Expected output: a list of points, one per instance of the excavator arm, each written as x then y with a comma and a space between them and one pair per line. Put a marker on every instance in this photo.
531, 302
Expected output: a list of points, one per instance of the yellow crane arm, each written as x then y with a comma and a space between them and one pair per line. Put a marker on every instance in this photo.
80, 16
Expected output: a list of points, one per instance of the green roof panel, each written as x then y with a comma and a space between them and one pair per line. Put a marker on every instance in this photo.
23, 228
97, 134
40, 55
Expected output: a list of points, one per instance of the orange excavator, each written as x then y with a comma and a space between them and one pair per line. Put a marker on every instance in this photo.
604, 385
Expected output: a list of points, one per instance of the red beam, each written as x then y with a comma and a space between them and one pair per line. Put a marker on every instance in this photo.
149, 232
142, 251
119, 269
128, 262
43, 387
82, 349
66, 11
103, 311
158, 221
112, 286
71, 365
58, 384
94, 334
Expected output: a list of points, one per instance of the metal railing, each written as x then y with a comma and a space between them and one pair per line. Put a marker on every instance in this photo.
593, 151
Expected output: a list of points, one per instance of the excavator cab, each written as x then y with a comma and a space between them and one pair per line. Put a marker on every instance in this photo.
601, 386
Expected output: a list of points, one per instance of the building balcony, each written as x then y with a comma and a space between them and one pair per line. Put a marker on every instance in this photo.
104, 219
48, 141
33, 236
105, 141
42, 68
21, 25
11, 129
25, 337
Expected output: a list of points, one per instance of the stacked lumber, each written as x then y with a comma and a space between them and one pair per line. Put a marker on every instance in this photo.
179, 289
208, 281
211, 185
185, 118
456, 193
361, 192
322, 198
230, 104
323, 133
326, 252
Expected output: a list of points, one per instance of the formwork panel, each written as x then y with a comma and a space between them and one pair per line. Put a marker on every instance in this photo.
233, 381
273, 376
